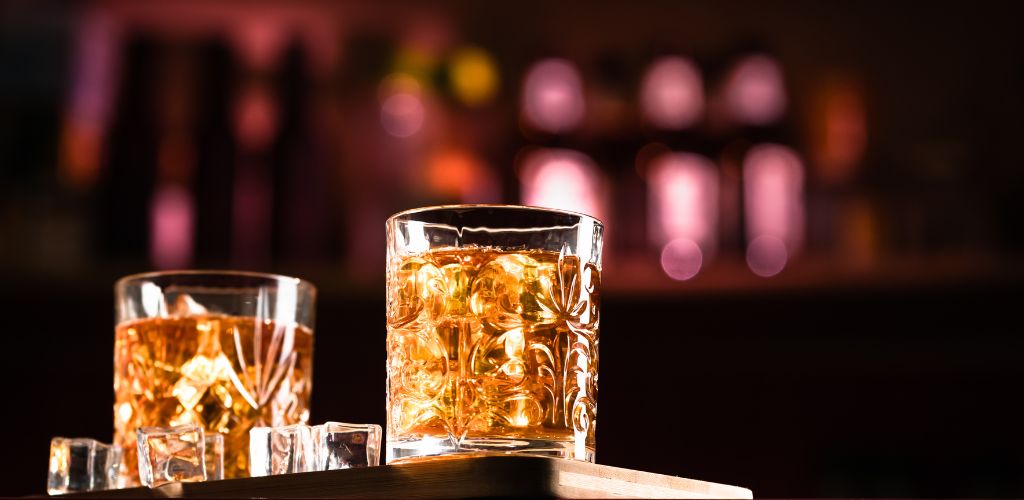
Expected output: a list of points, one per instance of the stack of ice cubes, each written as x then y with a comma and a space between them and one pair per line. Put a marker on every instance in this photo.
305, 448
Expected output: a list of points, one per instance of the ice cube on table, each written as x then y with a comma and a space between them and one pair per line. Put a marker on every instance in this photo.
185, 305
292, 449
303, 448
171, 454
281, 450
214, 456
344, 446
259, 451
82, 464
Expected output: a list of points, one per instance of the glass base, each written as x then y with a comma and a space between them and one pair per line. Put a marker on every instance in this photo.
410, 450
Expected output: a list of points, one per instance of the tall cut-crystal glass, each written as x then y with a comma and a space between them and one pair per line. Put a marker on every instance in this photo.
224, 350
492, 332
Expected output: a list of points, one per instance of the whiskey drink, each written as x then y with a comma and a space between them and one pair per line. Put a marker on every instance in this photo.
224, 373
221, 349
486, 345
492, 350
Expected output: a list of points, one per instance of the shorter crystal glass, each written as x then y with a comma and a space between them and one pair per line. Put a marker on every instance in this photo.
223, 350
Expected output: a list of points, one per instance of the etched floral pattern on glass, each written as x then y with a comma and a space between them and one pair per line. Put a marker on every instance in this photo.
493, 349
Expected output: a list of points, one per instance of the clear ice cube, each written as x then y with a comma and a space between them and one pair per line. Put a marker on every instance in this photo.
82, 464
214, 456
344, 446
171, 454
259, 451
185, 305
303, 448
281, 450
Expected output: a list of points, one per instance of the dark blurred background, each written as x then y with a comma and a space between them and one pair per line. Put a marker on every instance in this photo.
812, 268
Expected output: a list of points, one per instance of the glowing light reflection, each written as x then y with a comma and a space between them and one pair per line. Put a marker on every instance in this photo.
672, 95
683, 207
96, 67
683, 198
172, 218
402, 115
259, 40
767, 256
563, 179
840, 132
681, 259
255, 117
774, 205
461, 175
474, 76
553, 96
755, 92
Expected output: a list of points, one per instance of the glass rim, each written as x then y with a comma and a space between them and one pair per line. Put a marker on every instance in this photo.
471, 206
124, 280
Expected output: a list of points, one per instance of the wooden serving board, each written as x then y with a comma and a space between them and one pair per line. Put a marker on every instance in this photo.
477, 477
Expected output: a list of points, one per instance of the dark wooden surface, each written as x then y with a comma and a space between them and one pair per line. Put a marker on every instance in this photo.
478, 477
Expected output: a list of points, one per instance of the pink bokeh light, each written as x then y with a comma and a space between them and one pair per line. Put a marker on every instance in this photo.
552, 98
681, 259
672, 93
172, 219
91, 94
255, 117
755, 92
774, 205
563, 179
402, 114
767, 256
96, 69
259, 39
683, 200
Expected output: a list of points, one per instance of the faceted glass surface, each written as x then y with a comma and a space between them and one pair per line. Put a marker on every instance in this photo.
493, 321
171, 454
82, 464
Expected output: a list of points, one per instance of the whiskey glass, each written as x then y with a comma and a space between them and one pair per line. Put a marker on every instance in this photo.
492, 332
226, 350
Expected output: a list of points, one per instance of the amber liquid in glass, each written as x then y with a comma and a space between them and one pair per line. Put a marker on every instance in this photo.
225, 373
492, 351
